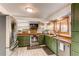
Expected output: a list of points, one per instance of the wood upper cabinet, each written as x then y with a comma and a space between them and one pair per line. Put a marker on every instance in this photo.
57, 26
63, 25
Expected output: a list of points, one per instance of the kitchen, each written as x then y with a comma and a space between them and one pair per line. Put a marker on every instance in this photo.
57, 39
39, 34
55, 34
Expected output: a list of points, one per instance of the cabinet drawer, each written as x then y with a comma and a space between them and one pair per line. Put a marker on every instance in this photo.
73, 53
75, 46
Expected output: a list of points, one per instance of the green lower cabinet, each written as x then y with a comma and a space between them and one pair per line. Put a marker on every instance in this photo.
41, 39
75, 47
23, 41
47, 40
51, 43
54, 45
73, 53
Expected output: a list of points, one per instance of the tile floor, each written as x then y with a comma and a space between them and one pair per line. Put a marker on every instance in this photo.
32, 51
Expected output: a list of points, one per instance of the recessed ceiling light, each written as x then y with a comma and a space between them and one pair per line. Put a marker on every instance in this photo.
29, 10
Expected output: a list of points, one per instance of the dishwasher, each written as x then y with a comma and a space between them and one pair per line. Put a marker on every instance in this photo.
63, 48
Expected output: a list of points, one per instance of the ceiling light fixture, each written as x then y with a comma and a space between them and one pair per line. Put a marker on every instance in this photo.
29, 10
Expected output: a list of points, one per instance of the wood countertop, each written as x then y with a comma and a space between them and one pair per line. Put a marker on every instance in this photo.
63, 38
28, 34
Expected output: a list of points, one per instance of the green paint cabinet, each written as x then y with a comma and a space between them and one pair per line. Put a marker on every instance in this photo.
75, 47
75, 17
75, 36
47, 41
75, 29
23, 41
41, 39
51, 43
73, 53
54, 46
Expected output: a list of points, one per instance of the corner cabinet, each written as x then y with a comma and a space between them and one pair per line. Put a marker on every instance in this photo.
41, 39
51, 43
23, 41
54, 46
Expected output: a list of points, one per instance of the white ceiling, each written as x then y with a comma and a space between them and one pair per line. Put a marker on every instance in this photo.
41, 10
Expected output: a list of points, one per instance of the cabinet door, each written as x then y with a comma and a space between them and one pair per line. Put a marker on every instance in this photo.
54, 45
23, 41
75, 36
75, 17
50, 42
47, 40
27, 40
20, 41
41, 39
